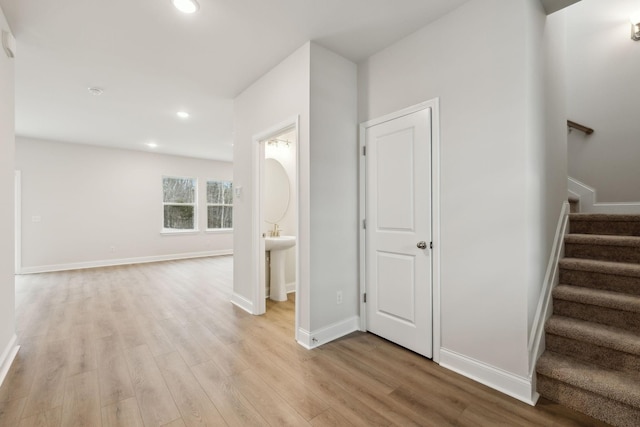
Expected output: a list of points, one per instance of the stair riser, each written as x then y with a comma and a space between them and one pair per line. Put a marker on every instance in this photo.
603, 252
574, 207
588, 352
608, 282
591, 313
599, 407
610, 228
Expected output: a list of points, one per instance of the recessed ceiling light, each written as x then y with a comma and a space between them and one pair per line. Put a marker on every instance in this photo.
186, 6
182, 114
96, 91
151, 144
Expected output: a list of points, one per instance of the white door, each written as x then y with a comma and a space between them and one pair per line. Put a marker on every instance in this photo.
398, 231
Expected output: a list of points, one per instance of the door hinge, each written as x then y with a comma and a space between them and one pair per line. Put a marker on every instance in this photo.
364, 297
430, 245
364, 224
364, 150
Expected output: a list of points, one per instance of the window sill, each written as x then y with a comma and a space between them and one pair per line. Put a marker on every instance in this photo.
178, 232
219, 230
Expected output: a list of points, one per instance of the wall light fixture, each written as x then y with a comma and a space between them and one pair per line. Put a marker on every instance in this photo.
635, 26
8, 44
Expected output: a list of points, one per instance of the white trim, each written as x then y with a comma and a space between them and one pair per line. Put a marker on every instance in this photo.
242, 302
551, 279
7, 357
434, 105
124, 261
435, 226
291, 287
510, 384
219, 231
303, 337
18, 222
177, 232
310, 340
589, 203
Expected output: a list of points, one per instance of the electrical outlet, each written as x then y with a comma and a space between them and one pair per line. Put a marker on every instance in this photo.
339, 297
112, 248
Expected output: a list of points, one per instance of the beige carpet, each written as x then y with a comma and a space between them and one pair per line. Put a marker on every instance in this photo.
592, 357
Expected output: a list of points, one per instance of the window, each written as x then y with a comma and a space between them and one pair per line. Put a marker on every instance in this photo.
179, 203
219, 205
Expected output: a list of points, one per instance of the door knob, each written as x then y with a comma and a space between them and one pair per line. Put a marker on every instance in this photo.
422, 245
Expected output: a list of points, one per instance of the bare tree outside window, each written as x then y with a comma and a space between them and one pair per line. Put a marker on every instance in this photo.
179, 200
219, 205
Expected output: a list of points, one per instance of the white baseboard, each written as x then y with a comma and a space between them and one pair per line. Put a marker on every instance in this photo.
310, 340
7, 357
242, 302
589, 203
303, 337
124, 261
510, 384
290, 287
551, 279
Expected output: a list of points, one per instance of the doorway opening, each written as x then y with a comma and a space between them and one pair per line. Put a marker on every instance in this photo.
276, 222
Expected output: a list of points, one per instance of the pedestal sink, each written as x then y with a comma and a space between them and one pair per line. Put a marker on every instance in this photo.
277, 246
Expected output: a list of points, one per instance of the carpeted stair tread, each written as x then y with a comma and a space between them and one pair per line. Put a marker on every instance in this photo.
601, 298
576, 217
621, 225
610, 411
594, 333
603, 240
614, 385
597, 266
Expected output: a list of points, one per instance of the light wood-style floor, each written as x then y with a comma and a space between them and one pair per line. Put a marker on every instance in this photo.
160, 345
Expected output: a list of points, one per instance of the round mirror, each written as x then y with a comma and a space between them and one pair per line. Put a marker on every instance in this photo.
276, 191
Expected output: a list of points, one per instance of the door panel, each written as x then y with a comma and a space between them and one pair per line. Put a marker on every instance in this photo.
398, 212
396, 302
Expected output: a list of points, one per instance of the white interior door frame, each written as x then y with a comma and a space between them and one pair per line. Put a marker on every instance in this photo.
18, 221
259, 258
434, 104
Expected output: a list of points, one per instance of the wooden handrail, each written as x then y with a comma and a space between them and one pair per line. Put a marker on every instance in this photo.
574, 125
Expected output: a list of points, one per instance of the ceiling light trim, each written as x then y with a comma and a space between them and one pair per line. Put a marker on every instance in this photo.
186, 6
95, 91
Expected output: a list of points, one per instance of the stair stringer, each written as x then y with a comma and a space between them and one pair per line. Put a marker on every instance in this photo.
589, 203
536, 345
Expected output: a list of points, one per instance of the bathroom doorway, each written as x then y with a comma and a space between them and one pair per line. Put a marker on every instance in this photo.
277, 216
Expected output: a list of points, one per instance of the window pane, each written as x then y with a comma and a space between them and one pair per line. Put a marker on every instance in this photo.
228, 192
227, 219
214, 193
179, 190
179, 217
220, 192
219, 217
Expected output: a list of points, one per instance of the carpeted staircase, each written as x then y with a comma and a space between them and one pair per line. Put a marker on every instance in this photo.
592, 357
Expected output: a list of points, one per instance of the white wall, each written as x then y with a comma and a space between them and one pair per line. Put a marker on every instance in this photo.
334, 188
603, 93
320, 88
7, 290
278, 96
90, 199
546, 144
494, 197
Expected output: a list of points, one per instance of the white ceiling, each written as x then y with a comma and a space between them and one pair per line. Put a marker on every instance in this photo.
153, 61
